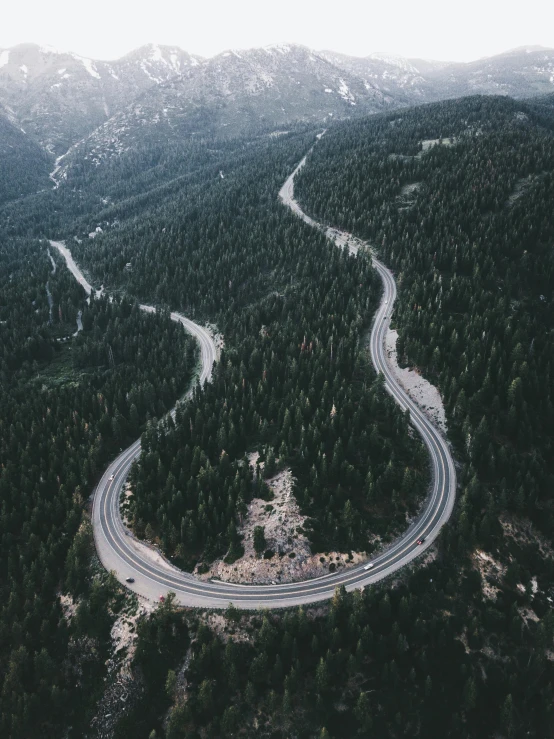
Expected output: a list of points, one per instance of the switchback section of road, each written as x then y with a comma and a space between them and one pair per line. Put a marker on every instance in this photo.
153, 576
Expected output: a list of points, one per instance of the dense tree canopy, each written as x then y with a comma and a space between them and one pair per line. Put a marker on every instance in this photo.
68, 404
294, 380
466, 224
468, 227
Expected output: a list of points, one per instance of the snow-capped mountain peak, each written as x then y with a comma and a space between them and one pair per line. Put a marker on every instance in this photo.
61, 96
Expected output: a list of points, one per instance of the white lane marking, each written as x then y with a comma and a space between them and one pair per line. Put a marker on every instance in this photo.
384, 564
354, 575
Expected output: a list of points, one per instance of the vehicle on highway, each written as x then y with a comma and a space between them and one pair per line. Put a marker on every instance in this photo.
369, 566
111, 477
129, 579
420, 541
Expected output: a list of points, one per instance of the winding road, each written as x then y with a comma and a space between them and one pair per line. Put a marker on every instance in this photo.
153, 576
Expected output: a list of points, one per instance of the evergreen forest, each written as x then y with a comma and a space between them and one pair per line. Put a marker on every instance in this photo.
456, 198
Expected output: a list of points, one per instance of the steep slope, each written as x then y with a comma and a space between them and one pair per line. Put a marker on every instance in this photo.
61, 97
235, 93
24, 165
458, 195
394, 76
84, 112
519, 73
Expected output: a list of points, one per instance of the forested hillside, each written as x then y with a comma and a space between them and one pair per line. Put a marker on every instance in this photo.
467, 224
70, 399
294, 381
428, 658
457, 199
24, 165
296, 385
474, 629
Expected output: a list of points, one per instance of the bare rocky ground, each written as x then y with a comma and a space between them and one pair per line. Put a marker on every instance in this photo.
292, 558
418, 388
493, 570
429, 143
523, 531
121, 688
124, 633
490, 570
406, 198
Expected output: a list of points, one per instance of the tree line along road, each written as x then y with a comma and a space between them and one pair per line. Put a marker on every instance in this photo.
153, 576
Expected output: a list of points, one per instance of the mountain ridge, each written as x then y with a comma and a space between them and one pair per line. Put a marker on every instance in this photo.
63, 101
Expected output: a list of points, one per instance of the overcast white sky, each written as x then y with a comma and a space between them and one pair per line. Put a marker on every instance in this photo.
439, 29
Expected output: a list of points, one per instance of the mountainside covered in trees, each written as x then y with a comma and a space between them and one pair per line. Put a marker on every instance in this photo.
293, 312
24, 165
61, 97
219, 247
84, 110
70, 399
456, 197
481, 626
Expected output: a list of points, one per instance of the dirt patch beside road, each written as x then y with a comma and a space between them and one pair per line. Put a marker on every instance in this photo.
418, 388
289, 557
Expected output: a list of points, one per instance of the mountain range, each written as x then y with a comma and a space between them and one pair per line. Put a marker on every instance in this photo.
64, 105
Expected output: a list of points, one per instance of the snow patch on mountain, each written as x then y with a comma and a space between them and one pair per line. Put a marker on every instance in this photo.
345, 93
91, 69
4, 57
144, 68
156, 55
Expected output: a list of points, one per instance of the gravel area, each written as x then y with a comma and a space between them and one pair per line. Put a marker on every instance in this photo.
292, 559
418, 388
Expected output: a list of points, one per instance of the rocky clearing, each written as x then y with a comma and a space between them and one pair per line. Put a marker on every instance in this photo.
490, 570
121, 688
292, 559
418, 388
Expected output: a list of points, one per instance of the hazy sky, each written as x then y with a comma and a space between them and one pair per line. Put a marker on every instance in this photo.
438, 29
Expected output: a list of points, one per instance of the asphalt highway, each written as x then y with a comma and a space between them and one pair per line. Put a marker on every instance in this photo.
153, 576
